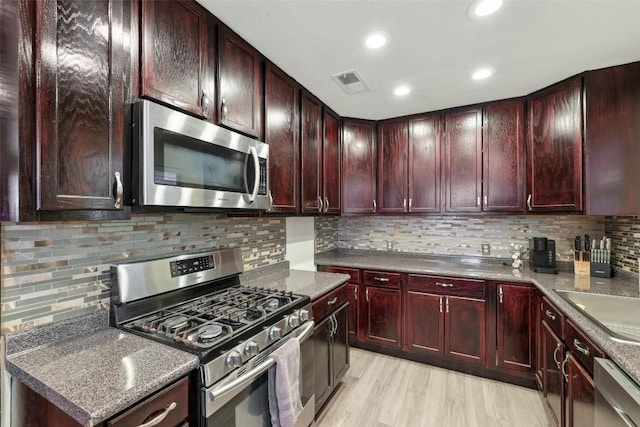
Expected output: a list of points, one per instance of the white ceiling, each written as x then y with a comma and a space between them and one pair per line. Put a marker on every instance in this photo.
434, 46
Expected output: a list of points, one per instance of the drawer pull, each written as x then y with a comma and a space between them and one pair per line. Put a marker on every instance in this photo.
444, 285
580, 347
550, 315
381, 279
332, 301
157, 420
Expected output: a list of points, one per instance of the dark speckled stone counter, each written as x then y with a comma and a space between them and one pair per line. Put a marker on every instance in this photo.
627, 356
314, 284
98, 373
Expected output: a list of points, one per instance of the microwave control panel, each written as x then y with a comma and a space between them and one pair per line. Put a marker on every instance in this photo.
262, 187
191, 265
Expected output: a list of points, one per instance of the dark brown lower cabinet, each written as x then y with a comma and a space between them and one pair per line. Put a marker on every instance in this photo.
580, 394
425, 323
331, 353
464, 326
354, 311
383, 324
515, 317
552, 379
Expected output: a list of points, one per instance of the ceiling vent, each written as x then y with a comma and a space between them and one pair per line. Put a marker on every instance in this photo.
351, 81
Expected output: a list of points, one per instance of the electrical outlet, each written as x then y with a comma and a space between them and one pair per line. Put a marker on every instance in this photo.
389, 245
486, 249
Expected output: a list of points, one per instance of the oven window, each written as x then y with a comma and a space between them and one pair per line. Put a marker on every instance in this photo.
188, 162
250, 408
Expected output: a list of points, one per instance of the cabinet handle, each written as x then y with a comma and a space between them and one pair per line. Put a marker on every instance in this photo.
580, 347
444, 285
205, 104
355, 293
478, 201
447, 305
501, 295
375, 206
332, 301
485, 201
404, 205
529, 202
223, 108
335, 322
440, 303
119, 191
410, 204
366, 294
555, 358
564, 365
157, 420
319, 204
381, 279
270, 200
326, 204
550, 315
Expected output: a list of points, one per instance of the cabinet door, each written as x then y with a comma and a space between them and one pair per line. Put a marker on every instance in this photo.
311, 125
331, 163
80, 102
392, 167
425, 323
354, 323
176, 56
240, 85
424, 164
358, 167
580, 395
463, 161
503, 156
465, 329
552, 378
612, 108
554, 148
281, 133
384, 316
515, 328
340, 343
322, 360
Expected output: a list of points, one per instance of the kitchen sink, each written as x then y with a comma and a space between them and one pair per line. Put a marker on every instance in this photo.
617, 315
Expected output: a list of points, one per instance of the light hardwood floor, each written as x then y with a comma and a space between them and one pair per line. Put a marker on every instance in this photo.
380, 390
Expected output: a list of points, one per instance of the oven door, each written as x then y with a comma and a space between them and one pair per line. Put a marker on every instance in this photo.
617, 400
244, 401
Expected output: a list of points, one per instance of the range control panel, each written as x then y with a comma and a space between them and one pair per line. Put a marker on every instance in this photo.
192, 265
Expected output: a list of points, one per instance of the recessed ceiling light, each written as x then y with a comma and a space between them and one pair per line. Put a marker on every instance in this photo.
401, 91
482, 74
482, 8
376, 40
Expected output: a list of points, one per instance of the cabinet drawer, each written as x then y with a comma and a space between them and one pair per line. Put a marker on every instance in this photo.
580, 346
553, 317
176, 394
328, 303
447, 285
382, 278
353, 272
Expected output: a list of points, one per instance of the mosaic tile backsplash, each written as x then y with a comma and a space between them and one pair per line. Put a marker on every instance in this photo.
326, 230
53, 271
625, 241
463, 235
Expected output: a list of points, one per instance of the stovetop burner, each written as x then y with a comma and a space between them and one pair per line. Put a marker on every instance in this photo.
210, 331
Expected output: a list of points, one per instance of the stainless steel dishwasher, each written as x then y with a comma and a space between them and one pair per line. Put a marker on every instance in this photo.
617, 401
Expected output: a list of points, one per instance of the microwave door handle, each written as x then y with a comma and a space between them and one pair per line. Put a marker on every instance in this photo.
256, 169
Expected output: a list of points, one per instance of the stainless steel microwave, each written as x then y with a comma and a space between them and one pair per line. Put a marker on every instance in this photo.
181, 161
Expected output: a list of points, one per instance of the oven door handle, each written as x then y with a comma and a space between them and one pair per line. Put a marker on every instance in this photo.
242, 380
305, 331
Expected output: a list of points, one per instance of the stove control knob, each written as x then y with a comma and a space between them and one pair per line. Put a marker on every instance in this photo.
294, 321
234, 359
275, 333
251, 349
304, 315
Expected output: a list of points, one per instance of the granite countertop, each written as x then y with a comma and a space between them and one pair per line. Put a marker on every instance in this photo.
280, 277
95, 375
627, 356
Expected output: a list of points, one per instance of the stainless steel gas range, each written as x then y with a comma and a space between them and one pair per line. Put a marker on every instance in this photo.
195, 302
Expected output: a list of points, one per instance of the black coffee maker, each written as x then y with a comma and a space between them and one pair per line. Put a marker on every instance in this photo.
542, 255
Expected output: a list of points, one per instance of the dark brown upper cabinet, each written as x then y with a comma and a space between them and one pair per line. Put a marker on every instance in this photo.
282, 126
331, 163
463, 160
177, 51
79, 100
612, 148
311, 142
554, 148
358, 166
409, 165
503, 156
240, 85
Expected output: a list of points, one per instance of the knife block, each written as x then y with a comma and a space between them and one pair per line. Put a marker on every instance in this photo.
600, 269
582, 267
